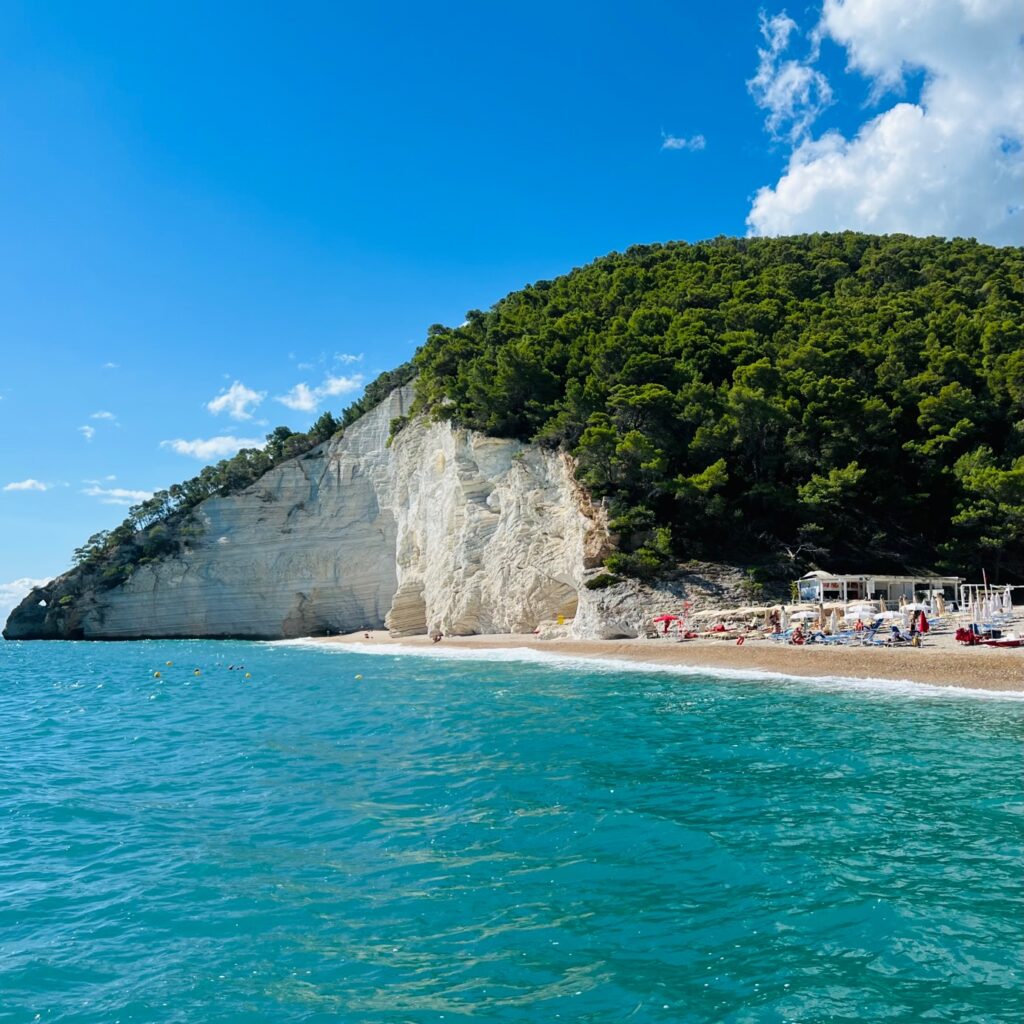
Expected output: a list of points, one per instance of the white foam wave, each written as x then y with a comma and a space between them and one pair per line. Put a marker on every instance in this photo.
864, 684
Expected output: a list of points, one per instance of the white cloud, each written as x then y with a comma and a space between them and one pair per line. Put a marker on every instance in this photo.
236, 401
116, 495
348, 357
334, 386
303, 398
111, 366
694, 142
87, 432
103, 416
951, 164
791, 91
212, 447
27, 485
11, 594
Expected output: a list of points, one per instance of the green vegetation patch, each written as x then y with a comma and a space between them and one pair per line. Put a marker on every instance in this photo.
841, 398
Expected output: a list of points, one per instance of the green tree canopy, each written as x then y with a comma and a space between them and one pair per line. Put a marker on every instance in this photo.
828, 392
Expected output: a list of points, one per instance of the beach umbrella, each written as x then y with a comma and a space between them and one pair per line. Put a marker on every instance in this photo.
940, 605
889, 616
833, 622
922, 623
860, 609
783, 619
803, 616
915, 607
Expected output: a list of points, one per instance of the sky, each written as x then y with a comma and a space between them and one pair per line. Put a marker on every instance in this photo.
219, 218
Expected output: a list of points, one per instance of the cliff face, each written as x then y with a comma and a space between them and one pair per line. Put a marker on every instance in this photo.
444, 530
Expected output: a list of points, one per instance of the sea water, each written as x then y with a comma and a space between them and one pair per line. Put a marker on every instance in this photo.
355, 836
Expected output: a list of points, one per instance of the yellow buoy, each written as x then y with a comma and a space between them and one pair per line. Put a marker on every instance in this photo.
248, 675
359, 677
156, 675
196, 672
169, 663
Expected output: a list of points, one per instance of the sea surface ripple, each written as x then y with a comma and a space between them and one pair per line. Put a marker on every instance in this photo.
401, 839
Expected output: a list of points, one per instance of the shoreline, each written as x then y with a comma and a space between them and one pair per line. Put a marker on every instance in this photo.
936, 664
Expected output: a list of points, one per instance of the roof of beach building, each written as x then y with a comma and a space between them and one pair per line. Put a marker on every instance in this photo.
821, 574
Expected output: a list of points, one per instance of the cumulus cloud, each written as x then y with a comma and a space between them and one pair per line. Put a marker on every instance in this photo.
236, 401
792, 92
12, 593
303, 398
102, 415
348, 357
694, 142
116, 495
950, 164
87, 432
211, 447
27, 485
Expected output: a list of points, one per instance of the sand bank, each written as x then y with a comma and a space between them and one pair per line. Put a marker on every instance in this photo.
940, 662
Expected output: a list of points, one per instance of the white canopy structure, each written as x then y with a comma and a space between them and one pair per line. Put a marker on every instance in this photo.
822, 587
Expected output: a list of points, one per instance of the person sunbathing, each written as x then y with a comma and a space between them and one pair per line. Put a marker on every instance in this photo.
899, 637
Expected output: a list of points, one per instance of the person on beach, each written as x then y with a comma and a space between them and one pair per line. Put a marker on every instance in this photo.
437, 638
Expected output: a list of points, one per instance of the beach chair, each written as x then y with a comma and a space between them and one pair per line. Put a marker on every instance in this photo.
896, 638
868, 635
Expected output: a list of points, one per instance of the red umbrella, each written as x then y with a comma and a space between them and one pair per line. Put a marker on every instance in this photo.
666, 618
922, 623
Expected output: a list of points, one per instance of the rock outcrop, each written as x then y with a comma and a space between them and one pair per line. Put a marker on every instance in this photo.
444, 529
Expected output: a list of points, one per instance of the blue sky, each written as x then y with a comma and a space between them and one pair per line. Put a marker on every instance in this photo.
194, 195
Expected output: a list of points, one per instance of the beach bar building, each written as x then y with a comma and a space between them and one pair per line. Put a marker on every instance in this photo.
823, 587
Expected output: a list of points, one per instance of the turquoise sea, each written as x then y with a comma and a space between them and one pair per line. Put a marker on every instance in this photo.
467, 840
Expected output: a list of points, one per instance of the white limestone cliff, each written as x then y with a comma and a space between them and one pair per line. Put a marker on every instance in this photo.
445, 530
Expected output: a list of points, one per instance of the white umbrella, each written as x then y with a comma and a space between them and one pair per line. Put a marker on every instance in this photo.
889, 616
804, 615
833, 623
861, 609
783, 619
916, 607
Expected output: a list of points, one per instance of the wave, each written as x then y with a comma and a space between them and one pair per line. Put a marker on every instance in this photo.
864, 684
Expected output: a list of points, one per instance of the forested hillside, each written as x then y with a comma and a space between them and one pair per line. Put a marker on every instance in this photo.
848, 399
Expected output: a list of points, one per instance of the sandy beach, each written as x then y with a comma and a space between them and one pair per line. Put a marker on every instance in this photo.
939, 662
